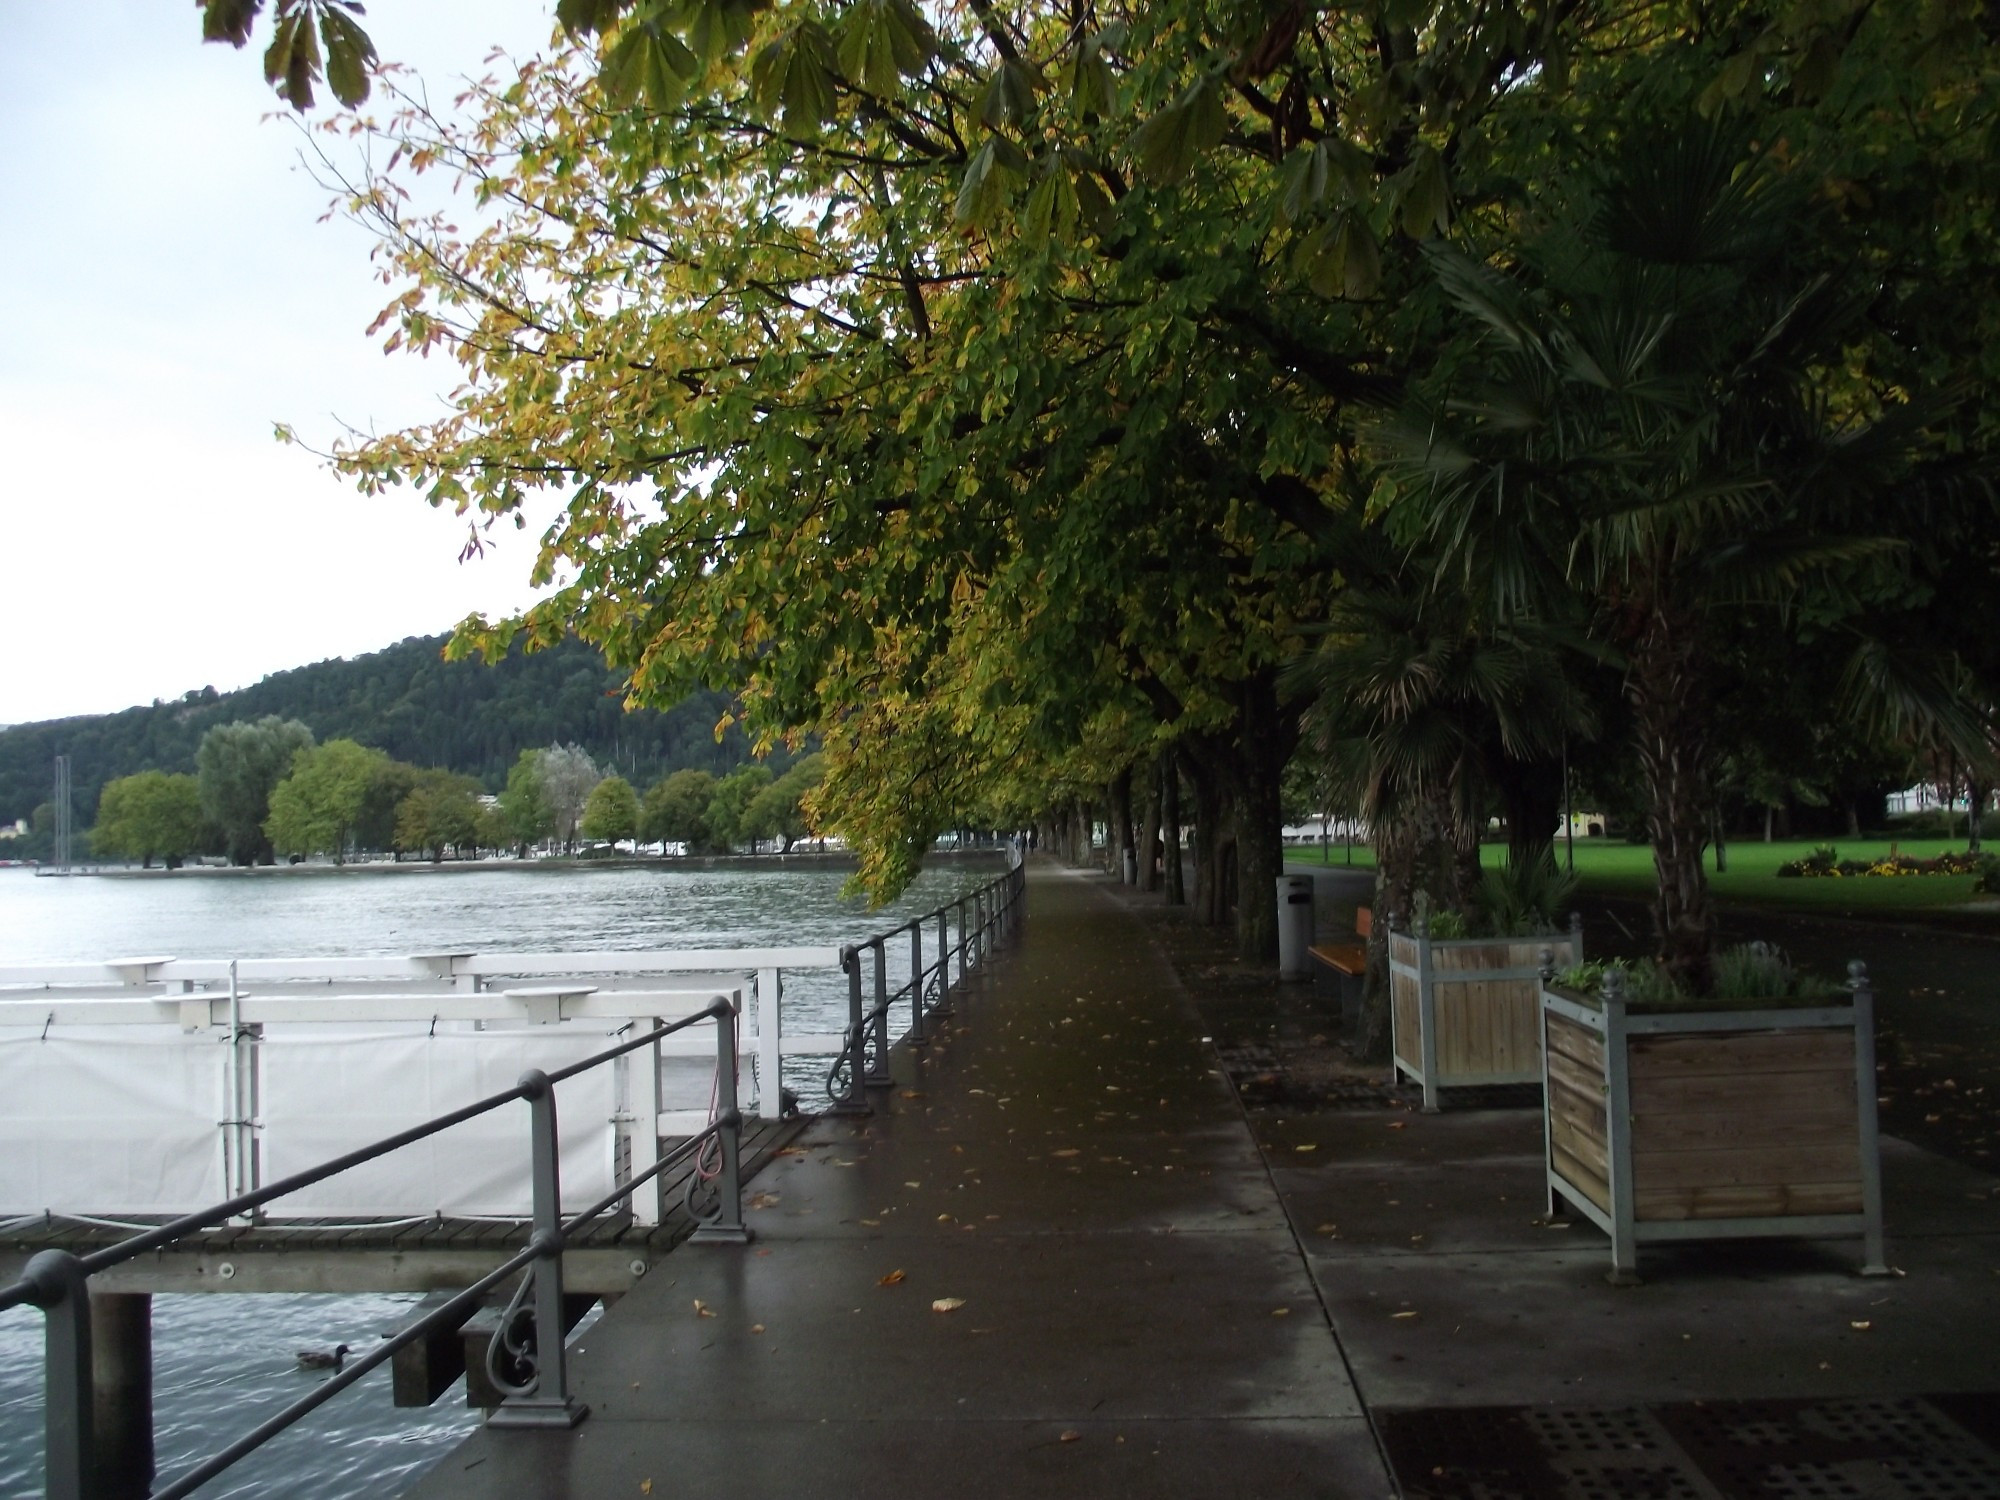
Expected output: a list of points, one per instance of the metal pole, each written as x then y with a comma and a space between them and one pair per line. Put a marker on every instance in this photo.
1569, 818
62, 1292
855, 1101
960, 904
917, 1037
727, 1226
1874, 1257
878, 1070
943, 1006
551, 1405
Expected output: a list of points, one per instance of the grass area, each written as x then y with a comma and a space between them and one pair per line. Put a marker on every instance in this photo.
1615, 868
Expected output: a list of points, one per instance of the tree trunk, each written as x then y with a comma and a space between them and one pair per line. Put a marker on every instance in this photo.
1977, 795
1531, 795
1260, 822
1770, 816
1121, 822
1207, 814
1149, 829
1670, 719
1170, 830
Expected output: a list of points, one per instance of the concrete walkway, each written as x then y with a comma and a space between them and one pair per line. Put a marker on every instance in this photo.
1067, 1173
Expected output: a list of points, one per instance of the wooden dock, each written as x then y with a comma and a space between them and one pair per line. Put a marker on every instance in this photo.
395, 1255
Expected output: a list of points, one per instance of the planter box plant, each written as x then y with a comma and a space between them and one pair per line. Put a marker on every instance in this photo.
1752, 1115
1467, 1010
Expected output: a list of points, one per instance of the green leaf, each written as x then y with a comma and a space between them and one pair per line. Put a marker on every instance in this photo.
1815, 71
648, 62
1093, 204
1424, 198
882, 40
1360, 263
1009, 96
588, 15
1167, 145
292, 61
1302, 182
229, 20
348, 54
717, 28
1052, 210
1092, 83
793, 76
1732, 83
984, 190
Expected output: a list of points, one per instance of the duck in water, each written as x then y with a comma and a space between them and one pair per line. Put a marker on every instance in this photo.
320, 1359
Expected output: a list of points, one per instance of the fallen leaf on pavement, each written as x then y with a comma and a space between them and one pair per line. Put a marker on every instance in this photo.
948, 1304
1067, 1151
701, 1309
1411, 1314
1070, 1436
1861, 1324
894, 1278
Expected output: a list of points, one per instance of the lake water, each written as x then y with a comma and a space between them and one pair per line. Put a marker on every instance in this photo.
221, 1363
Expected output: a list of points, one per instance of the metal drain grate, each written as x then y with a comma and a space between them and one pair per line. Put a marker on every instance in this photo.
1833, 1450
1917, 1448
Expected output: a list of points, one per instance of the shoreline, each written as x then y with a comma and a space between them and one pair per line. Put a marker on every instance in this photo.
831, 859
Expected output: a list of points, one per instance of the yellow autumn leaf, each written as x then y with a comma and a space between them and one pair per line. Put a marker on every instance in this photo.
947, 1304
894, 1278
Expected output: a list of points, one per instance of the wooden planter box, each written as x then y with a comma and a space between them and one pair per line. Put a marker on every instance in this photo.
1469, 1010
1715, 1124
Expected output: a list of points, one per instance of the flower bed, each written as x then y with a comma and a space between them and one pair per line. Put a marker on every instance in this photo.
1824, 863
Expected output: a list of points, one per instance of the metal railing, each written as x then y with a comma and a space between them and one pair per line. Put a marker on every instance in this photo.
531, 1335
985, 917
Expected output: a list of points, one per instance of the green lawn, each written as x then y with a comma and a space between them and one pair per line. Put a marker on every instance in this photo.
1616, 868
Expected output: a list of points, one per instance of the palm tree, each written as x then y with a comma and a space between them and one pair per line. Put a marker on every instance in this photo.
1425, 711
1652, 412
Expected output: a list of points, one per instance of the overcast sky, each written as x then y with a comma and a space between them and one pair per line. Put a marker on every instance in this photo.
170, 296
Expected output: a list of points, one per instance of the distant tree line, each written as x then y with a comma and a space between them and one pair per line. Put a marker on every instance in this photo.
406, 701
265, 789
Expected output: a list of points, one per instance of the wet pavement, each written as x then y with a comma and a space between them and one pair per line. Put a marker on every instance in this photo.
1054, 1263
1066, 1259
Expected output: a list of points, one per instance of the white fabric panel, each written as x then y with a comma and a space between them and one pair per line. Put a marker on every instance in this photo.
327, 1091
110, 1120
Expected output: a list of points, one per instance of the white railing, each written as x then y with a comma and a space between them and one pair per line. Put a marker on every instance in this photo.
461, 987
148, 1085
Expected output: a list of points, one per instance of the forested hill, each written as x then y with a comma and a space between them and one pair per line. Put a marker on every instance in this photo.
462, 716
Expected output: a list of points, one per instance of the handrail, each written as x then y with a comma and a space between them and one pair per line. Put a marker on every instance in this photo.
863, 1059
58, 1281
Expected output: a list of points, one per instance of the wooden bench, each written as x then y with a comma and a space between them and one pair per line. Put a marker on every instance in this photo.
1349, 959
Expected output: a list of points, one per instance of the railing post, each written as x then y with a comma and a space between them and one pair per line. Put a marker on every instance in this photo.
878, 1071
943, 1007
727, 1226
62, 1292
960, 904
917, 1037
770, 1060
551, 1404
855, 1100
